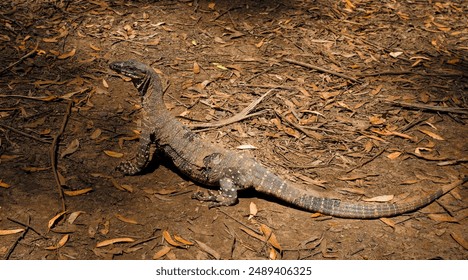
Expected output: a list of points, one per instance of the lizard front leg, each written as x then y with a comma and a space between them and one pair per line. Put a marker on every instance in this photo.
226, 196
141, 160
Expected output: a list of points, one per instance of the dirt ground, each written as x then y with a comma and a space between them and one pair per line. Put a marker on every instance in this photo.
378, 112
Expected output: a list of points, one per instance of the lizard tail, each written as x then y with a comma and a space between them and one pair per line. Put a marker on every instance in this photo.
337, 208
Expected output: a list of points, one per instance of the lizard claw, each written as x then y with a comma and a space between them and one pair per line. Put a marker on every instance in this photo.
201, 196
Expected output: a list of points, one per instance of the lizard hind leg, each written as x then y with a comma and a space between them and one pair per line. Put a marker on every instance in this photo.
227, 195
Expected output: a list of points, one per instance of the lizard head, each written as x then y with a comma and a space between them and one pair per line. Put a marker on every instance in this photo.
139, 72
131, 68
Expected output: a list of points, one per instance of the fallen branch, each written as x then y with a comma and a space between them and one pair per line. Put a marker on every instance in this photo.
320, 69
430, 107
21, 59
24, 133
13, 246
53, 153
244, 114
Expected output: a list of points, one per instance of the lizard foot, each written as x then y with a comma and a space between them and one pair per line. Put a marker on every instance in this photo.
216, 200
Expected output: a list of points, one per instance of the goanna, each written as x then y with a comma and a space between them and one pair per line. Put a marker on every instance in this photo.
212, 165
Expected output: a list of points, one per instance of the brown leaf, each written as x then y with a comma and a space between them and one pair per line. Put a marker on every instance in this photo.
52, 221
96, 133
273, 254
252, 233
394, 155
196, 68
73, 216
271, 237
253, 210
376, 90
34, 169
60, 244
4, 185
161, 253
114, 240
168, 238
67, 55
126, 220
78, 192
442, 218
71, 148
10, 231
431, 134
457, 236
380, 198
327, 95
113, 154
388, 222
182, 240
209, 250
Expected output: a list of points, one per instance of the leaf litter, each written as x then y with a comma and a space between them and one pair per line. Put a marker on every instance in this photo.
355, 94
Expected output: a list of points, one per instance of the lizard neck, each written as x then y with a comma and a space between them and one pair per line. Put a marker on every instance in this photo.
151, 92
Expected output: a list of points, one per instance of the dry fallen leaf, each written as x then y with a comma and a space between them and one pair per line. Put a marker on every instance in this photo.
10, 231
161, 253
114, 240
67, 55
253, 210
380, 198
431, 134
388, 222
73, 216
209, 250
60, 244
71, 148
52, 221
78, 192
96, 133
126, 220
4, 185
394, 155
182, 240
442, 218
34, 169
271, 236
196, 68
168, 238
457, 236
113, 154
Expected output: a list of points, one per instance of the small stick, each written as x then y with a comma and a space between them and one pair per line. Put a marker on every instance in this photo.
320, 69
24, 133
21, 59
313, 135
431, 108
53, 153
238, 117
28, 225
367, 161
13, 246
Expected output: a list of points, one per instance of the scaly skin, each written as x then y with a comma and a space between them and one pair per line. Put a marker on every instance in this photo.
213, 165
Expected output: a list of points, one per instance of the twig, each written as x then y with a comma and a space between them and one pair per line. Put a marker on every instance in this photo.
314, 135
27, 225
13, 246
238, 117
24, 133
431, 108
53, 153
367, 161
21, 59
320, 69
